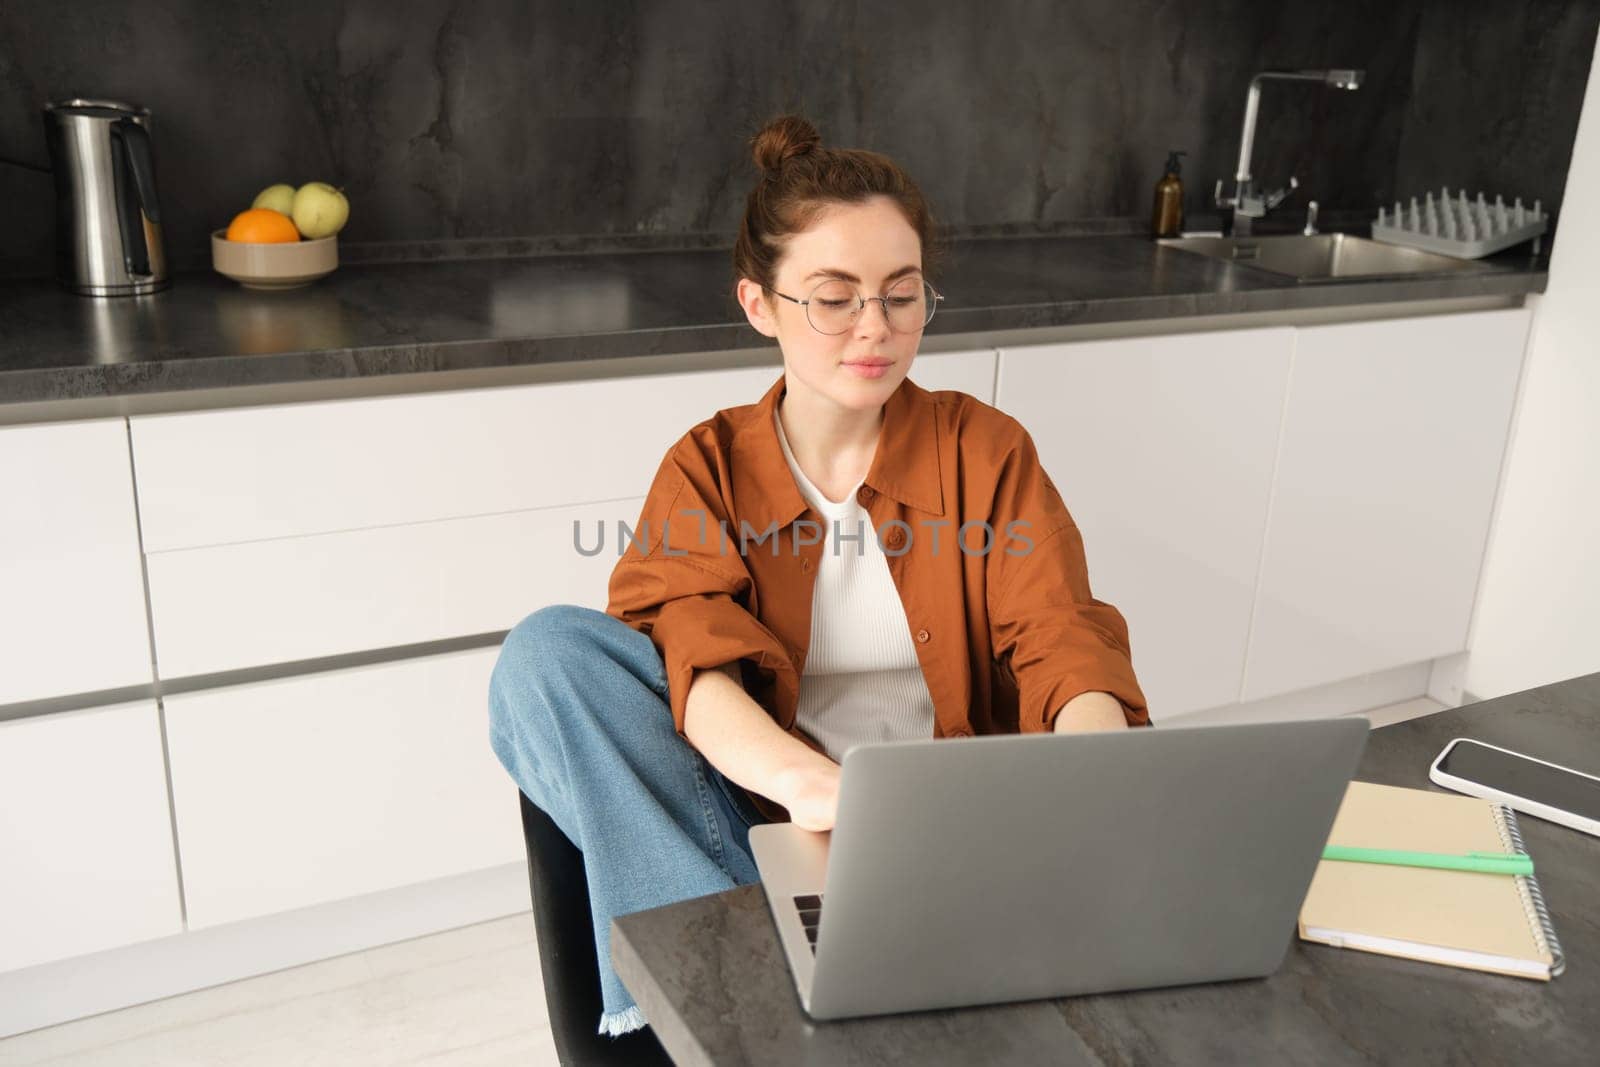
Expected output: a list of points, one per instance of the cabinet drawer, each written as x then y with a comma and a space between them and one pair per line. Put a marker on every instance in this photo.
85, 835
71, 596
232, 606
289, 470
304, 790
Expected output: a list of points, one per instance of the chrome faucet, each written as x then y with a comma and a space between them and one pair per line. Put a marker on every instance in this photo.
1246, 202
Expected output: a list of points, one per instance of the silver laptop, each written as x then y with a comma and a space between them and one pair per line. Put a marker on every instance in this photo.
994, 869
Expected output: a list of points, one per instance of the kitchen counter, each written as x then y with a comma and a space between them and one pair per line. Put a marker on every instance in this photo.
372, 320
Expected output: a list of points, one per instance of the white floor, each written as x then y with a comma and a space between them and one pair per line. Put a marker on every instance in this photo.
471, 996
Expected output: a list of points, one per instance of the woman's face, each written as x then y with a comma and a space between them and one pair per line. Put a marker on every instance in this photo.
871, 246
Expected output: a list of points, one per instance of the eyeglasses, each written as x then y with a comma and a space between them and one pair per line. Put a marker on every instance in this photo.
833, 307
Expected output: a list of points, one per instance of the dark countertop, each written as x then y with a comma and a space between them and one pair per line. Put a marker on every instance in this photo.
711, 975
391, 318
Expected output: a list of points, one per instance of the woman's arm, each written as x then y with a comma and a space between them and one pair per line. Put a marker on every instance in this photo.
742, 741
1068, 651
1088, 712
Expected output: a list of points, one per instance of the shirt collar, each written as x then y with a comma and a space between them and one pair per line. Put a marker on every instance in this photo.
905, 466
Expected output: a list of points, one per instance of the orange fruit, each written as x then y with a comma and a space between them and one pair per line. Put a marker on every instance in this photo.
262, 225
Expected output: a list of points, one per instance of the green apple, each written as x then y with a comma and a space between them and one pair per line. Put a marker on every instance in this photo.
319, 210
279, 198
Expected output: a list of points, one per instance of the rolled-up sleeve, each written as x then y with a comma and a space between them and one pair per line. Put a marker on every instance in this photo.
1056, 639
689, 590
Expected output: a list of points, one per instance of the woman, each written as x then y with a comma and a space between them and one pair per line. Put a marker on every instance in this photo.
850, 559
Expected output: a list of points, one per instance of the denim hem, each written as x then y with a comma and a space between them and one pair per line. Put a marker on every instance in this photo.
617, 1023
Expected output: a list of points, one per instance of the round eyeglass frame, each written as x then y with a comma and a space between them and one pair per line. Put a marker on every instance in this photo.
861, 304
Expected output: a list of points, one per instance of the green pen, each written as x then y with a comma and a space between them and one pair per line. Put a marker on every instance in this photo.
1481, 862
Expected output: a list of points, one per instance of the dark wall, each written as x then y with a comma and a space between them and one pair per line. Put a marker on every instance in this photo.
508, 118
1496, 92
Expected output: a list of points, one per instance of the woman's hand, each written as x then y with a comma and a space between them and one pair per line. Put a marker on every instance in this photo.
810, 793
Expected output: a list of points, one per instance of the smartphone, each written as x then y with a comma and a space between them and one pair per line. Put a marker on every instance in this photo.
1537, 787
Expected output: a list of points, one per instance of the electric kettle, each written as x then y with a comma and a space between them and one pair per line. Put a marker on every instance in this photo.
108, 223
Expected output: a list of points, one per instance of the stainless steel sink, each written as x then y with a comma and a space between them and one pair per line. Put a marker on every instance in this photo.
1326, 256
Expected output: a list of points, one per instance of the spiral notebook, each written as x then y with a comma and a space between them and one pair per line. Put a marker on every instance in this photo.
1486, 922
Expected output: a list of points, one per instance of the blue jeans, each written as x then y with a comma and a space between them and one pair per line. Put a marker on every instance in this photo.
578, 714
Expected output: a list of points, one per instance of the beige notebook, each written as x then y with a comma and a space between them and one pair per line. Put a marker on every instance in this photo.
1487, 922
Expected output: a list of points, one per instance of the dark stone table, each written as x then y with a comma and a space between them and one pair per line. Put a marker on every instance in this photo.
711, 976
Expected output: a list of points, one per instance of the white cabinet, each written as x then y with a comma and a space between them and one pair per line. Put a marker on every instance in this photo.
296, 598
1279, 509
71, 596
85, 835
1162, 448
323, 786
1393, 436
966, 372
1272, 510
289, 470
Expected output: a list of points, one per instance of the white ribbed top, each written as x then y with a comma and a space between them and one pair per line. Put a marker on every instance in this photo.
861, 681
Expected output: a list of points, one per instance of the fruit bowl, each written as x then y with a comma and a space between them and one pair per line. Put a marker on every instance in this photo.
281, 265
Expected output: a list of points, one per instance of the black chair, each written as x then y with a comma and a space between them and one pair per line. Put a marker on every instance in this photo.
566, 951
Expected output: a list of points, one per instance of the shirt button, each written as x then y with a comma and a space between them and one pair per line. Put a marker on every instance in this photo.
923, 636
864, 494
896, 538
805, 566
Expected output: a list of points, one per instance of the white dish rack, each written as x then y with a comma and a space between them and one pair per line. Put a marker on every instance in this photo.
1456, 226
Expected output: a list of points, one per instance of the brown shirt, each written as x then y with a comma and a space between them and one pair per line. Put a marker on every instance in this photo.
987, 561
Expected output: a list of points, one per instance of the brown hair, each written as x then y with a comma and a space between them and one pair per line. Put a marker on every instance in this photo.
800, 178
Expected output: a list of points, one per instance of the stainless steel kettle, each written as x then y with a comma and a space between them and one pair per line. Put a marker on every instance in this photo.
108, 221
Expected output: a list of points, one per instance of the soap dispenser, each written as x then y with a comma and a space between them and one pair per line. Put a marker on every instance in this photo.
1166, 220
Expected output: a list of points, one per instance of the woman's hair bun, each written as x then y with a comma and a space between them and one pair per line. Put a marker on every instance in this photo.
783, 138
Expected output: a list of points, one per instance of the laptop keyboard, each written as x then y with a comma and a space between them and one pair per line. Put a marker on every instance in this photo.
810, 906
